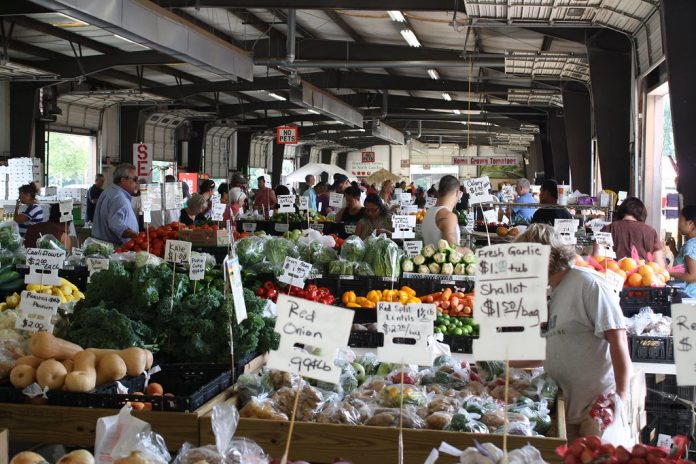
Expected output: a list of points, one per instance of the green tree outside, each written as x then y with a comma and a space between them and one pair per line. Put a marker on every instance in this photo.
69, 159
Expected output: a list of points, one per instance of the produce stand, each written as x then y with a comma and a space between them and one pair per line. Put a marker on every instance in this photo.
323, 443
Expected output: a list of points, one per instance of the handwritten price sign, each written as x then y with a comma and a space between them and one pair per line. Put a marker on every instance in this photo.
406, 330
314, 325
234, 277
510, 303
684, 332
567, 228
287, 203
403, 226
197, 268
478, 190
177, 251
295, 272
335, 200
44, 266
36, 311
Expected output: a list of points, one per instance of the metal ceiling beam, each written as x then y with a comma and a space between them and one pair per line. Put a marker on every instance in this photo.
20, 7
306, 33
69, 68
203, 25
413, 5
250, 19
576, 34
397, 101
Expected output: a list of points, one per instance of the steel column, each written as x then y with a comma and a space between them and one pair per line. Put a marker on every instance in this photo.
576, 106
129, 131
243, 147
196, 144
24, 108
559, 149
277, 163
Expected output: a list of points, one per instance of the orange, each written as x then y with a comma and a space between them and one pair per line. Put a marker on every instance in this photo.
628, 264
622, 273
635, 280
613, 266
641, 262
648, 280
646, 271
655, 266
665, 274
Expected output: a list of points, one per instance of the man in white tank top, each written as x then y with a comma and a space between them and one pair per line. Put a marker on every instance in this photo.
440, 222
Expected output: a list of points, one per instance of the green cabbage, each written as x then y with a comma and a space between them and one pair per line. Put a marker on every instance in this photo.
251, 250
277, 249
353, 249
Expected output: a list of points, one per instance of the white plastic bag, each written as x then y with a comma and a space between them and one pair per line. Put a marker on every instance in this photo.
619, 433
117, 436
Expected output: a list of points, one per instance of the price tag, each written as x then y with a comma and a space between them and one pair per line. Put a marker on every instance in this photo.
419, 229
314, 325
490, 216
336, 200
684, 333
470, 220
76, 251
317, 227
403, 226
398, 192
197, 267
214, 199
281, 227
405, 198
614, 281
304, 203
478, 190
606, 244
597, 225
413, 248
249, 227
408, 209
406, 330
96, 265
567, 228
36, 311
44, 266
508, 193
621, 196
177, 251
218, 211
510, 303
234, 278
350, 229
295, 272
287, 203
430, 202
147, 217
66, 207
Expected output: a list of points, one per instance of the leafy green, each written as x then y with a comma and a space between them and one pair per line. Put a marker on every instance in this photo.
278, 249
250, 250
353, 249
104, 327
112, 286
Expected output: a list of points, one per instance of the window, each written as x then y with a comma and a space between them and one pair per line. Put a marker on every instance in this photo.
71, 159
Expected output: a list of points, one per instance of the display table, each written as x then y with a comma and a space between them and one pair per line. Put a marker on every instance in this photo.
323, 443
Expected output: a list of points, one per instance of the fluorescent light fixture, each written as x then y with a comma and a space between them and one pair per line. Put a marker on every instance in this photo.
386, 132
129, 41
310, 111
457, 112
73, 21
433, 74
276, 96
410, 37
396, 16
446, 96
313, 98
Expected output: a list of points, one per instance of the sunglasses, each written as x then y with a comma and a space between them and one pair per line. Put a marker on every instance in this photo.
134, 178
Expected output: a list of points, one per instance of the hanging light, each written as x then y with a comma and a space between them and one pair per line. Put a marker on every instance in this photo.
446, 96
410, 37
396, 16
433, 74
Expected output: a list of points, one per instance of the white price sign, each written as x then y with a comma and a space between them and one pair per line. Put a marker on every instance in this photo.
490, 216
413, 248
304, 203
197, 267
405, 198
44, 266
508, 193
430, 202
234, 278
606, 244
684, 333
621, 197
403, 226
295, 272
215, 199
304, 322
398, 192
510, 303
287, 203
478, 190
597, 225
217, 212
66, 207
350, 229
96, 265
406, 330
335, 200
470, 220
36, 311
177, 251
249, 227
408, 209
567, 228
281, 227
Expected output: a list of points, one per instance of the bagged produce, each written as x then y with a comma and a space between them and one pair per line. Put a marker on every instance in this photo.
390, 417
341, 267
488, 453
117, 436
277, 249
94, 248
464, 421
353, 249
363, 269
251, 250
10, 239
49, 242
384, 256
324, 257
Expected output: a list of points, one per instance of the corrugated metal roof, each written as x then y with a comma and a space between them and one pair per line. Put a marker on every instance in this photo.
14, 71
543, 64
102, 99
535, 97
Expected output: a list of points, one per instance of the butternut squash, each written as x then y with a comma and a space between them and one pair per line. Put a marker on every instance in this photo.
135, 358
110, 367
149, 359
45, 346
83, 378
22, 375
28, 457
80, 456
51, 374
32, 361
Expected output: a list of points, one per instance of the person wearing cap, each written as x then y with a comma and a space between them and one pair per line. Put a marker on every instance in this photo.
548, 194
265, 198
310, 193
341, 182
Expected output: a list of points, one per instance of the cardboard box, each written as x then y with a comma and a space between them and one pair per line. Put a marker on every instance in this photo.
203, 237
4, 446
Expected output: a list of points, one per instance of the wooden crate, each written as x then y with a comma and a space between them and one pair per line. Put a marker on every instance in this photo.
76, 426
323, 443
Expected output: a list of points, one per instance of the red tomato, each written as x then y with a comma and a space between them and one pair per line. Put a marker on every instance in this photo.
129, 245
137, 248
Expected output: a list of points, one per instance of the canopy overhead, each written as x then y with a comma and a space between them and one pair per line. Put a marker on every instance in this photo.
315, 169
380, 176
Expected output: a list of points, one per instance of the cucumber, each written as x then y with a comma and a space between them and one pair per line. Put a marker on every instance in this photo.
8, 276
15, 285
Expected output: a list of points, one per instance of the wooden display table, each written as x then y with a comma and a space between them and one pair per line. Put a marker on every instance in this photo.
323, 443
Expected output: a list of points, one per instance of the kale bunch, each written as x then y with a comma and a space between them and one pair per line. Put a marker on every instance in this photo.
103, 327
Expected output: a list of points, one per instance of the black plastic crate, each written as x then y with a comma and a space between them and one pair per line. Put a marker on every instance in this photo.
191, 385
426, 285
646, 296
672, 421
459, 343
632, 310
652, 349
366, 339
364, 315
667, 384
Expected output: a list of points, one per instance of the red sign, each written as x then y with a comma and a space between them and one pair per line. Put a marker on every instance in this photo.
191, 178
142, 155
368, 156
286, 135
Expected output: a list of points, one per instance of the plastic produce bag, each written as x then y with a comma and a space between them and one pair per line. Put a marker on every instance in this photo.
277, 249
227, 449
149, 446
143, 258
353, 249
607, 419
487, 454
94, 248
363, 269
464, 421
341, 267
251, 250
117, 436
10, 239
324, 257
49, 242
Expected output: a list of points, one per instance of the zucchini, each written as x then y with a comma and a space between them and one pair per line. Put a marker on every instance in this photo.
8, 276
15, 285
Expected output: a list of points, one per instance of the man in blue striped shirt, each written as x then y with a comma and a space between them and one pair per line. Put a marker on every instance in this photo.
114, 218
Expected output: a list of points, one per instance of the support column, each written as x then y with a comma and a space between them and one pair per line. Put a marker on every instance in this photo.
677, 24
243, 148
129, 131
576, 107
24, 110
196, 143
546, 153
609, 55
559, 149
326, 159
342, 159
536, 159
277, 163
